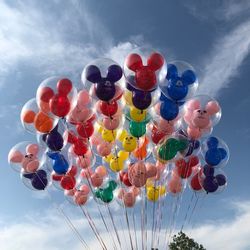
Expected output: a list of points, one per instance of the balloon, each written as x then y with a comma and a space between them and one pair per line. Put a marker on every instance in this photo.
141, 99
169, 110
54, 140
137, 129
38, 180
108, 109
170, 148
137, 115
60, 164
106, 194
129, 143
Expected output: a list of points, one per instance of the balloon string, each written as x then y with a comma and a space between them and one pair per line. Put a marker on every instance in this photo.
93, 227
67, 219
187, 211
113, 223
146, 219
158, 213
142, 222
133, 217
160, 223
200, 207
106, 226
153, 219
127, 220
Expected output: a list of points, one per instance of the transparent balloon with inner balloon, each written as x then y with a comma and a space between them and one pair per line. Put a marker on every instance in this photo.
56, 96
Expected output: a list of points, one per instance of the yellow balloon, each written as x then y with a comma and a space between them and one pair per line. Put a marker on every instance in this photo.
127, 96
123, 155
137, 115
108, 135
116, 164
129, 143
154, 193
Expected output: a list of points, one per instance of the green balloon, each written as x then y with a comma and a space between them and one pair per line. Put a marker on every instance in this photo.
137, 129
112, 185
170, 148
106, 194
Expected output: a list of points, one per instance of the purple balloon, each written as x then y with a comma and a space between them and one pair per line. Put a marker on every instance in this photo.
105, 90
221, 179
208, 170
210, 184
39, 181
141, 99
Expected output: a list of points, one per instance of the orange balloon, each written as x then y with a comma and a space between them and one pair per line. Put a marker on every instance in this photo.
28, 116
43, 123
44, 106
141, 151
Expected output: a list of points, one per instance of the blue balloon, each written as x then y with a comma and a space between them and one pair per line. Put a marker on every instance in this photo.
60, 164
40, 180
177, 86
54, 140
214, 156
169, 110
212, 142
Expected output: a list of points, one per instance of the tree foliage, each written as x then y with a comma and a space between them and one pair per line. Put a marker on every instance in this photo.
183, 242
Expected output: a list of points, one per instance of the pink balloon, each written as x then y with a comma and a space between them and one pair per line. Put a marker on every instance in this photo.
101, 170
15, 156
129, 199
104, 149
111, 123
174, 185
80, 198
70, 192
138, 174
86, 173
83, 98
194, 133
212, 107
121, 193
85, 189
84, 161
193, 105
32, 149
96, 139
96, 180
151, 170
165, 126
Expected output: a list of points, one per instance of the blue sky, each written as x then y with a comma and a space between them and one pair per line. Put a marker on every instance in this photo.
40, 39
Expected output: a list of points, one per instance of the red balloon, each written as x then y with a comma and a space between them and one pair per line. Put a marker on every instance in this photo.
68, 182
195, 184
157, 135
59, 105
183, 168
85, 130
193, 161
145, 79
71, 137
56, 177
45, 94
64, 86
108, 109
80, 148
126, 180
73, 171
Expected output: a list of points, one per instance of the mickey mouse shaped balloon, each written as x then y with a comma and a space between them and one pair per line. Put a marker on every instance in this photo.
56, 96
181, 82
215, 152
102, 74
144, 68
201, 113
25, 156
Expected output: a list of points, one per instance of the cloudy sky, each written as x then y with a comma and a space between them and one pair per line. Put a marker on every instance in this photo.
43, 38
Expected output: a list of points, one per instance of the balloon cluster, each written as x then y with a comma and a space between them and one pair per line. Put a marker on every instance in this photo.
130, 132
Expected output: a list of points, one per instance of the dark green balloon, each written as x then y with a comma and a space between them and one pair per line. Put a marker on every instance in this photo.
106, 194
137, 129
170, 148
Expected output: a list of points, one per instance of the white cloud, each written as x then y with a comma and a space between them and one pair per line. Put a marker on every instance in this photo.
49, 231
225, 59
230, 235
52, 40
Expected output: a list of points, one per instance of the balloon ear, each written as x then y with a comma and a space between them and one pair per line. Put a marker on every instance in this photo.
45, 94
223, 153
155, 61
188, 77
122, 135
134, 62
172, 72
212, 107
15, 156
83, 98
193, 105
32, 149
93, 74
114, 73
182, 145
212, 142
71, 137
112, 185
28, 116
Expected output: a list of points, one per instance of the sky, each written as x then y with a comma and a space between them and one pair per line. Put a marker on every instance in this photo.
39, 39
